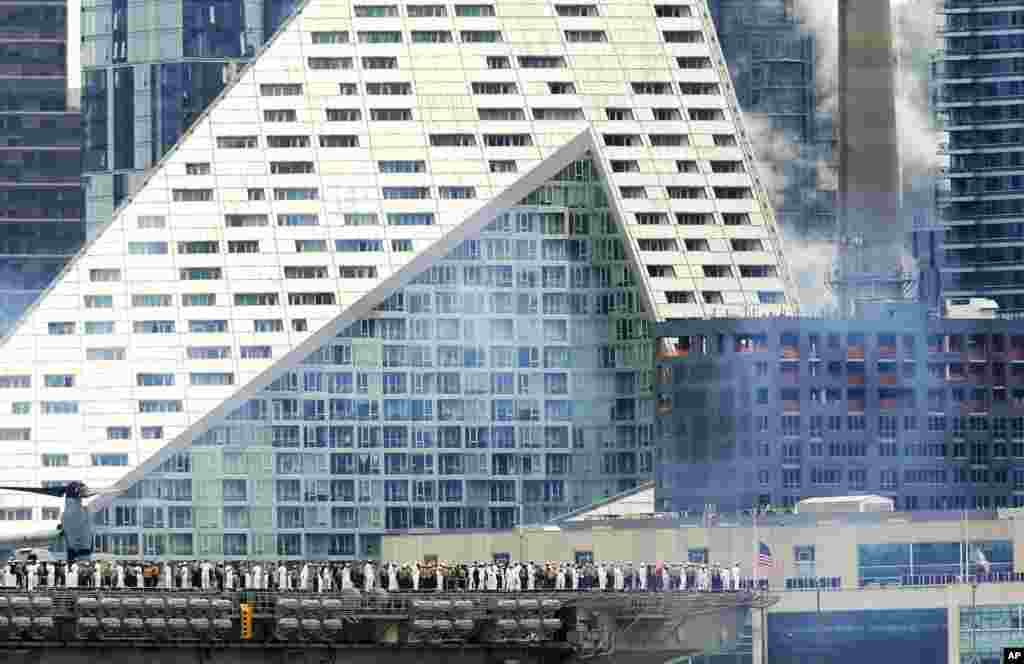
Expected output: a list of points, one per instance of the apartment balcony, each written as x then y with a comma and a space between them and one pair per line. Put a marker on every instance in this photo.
888, 379
855, 406
887, 351
888, 404
790, 353
855, 353
791, 407
977, 356
1016, 355
855, 379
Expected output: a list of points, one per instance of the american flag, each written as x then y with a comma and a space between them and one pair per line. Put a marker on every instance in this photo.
764, 555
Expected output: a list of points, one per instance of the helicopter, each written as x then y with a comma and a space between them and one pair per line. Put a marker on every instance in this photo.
74, 527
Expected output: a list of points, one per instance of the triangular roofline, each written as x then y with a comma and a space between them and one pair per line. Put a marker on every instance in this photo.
583, 144
152, 171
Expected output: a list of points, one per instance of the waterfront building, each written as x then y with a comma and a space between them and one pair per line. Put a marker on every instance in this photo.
925, 410
403, 273
892, 585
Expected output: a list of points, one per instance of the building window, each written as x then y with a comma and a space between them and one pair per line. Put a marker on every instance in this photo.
329, 63
574, 11
236, 142
280, 115
333, 37
110, 459
59, 380
58, 329
190, 196
281, 89
55, 460
541, 62
105, 275
380, 37
494, 88
344, 115
803, 561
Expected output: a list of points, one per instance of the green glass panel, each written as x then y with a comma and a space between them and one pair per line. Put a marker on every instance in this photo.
263, 492
262, 517
367, 353
208, 518
263, 544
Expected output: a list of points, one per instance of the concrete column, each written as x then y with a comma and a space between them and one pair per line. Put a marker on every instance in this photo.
952, 626
759, 641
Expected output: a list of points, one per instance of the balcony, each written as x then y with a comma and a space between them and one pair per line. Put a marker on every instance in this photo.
888, 404
888, 379
855, 353
887, 351
855, 406
791, 406
1016, 355
855, 379
980, 355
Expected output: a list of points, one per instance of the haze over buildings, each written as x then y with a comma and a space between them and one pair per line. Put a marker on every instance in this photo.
402, 274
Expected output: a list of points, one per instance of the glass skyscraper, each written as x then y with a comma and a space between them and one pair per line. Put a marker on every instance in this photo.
40, 148
982, 208
150, 69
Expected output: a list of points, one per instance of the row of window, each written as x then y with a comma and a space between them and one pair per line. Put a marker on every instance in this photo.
478, 11
690, 88
486, 36
293, 194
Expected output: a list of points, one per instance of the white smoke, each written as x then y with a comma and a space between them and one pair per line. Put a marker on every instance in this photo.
811, 265
774, 153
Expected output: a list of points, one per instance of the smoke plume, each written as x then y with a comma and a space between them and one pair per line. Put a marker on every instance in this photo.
914, 42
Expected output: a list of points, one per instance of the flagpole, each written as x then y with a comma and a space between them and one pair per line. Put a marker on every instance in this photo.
757, 546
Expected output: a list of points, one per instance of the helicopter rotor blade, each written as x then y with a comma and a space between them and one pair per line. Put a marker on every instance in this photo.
55, 492
89, 493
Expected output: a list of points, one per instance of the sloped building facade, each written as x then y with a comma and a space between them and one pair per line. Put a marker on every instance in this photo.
402, 274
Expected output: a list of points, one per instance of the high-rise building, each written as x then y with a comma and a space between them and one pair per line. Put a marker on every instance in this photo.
40, 148
773, 60
149, 70
896, 403
982, 207
402, 274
